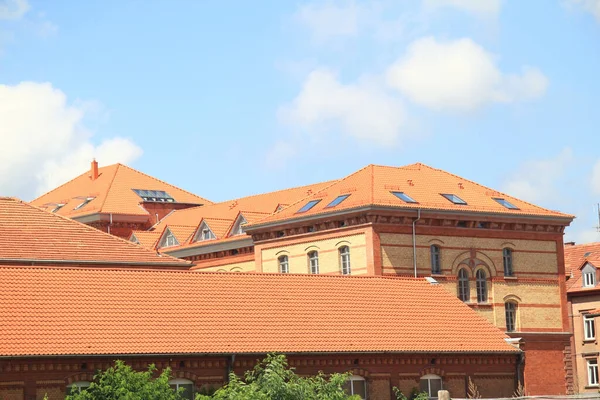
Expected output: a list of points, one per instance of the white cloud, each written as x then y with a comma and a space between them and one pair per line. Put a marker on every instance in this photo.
362, 110
485, 8
331, 18
591, 6
460, 75
13, 9
44, 141
537, 181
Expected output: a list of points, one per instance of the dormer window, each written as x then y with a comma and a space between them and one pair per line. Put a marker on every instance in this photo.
204, 233
455, 199
237, 226
84, 203
170, 240
207, 234
589, 275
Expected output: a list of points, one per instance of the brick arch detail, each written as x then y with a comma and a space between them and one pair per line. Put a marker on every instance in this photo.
431, 370
487, 261
183, 374
360, 372
342, 243
459, 260
78, 377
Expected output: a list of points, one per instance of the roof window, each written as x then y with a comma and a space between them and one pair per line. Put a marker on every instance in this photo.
84, 203
454, 199
57, 207
587, 254
154, 195
404, 197
337, 200
308, 206
506, 204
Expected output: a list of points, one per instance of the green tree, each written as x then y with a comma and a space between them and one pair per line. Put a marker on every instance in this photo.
121, 382
272, 379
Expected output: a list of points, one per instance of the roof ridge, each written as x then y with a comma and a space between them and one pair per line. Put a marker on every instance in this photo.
69, 181
165, 183
92, 229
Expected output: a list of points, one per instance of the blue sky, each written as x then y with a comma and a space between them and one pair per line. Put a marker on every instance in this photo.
228, 99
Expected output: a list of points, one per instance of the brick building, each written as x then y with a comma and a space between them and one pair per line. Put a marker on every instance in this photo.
117, 199
502, 256
583, 294
388, 331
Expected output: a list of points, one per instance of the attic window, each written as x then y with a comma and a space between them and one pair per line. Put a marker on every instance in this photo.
207, 234
169, 240
308, 206
57, 207
159, 196
404, 197
337, 200
506, 204
85, 202
454, 199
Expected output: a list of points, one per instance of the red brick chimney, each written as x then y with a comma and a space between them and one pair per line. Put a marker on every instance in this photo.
94, 170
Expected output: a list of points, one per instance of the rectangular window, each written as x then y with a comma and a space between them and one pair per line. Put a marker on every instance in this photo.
337, 200
454, 199
308, 206
506, 204
592, 368
404, 197
589, 280
589, 327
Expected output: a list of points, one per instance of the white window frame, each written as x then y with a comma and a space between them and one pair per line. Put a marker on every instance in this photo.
589, 275
80, 385
84, 203
284, 264
170, 240
592, 372
429, 378
313, 262
589, 327
345, 260
358, 378
180, 382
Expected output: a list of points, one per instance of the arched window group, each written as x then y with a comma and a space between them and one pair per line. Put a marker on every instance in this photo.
464, 288
436, 264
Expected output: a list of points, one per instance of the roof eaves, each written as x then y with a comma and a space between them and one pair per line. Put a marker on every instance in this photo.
209, 247
34, 261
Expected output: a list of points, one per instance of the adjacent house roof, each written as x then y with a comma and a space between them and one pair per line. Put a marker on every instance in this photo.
415, 186
576, 256
30, 233
112, 192
147, 239
48, 311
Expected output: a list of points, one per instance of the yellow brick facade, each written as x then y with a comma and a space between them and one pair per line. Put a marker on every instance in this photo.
245, 266
328, 249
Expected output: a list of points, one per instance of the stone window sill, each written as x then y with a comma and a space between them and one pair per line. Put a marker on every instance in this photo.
592, 387
510, 278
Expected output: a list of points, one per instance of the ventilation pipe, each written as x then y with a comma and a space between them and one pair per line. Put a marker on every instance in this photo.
414, 237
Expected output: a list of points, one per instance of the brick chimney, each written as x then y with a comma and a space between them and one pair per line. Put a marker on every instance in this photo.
94, 170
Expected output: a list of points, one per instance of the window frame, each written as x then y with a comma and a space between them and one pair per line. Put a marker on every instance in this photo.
507, 261
435, 253
588, 274
429, 378
169, 237
177, 382
337, 201
510, 314
283, 260
589, 327
481, 286
344, 253
454, 199
313, 262
466, 290
404, 197
308, 206
592, 372
84, 203
350, 385
505, 203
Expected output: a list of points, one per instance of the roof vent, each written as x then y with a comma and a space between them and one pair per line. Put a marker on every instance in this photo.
460, 185
431, 280
569, 243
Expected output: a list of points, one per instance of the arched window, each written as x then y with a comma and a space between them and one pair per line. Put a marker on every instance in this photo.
430, 384
507, 256
313, 262
510, 312
481, 280
345, 260
186, 385
357, 386
78, 386
464, 291
436, 267
284, 265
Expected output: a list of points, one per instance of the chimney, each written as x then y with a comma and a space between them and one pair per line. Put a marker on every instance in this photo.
94, 170
569, 243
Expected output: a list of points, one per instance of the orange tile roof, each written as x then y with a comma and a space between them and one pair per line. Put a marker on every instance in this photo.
47, 311
576, 254
372, 186
112, 193
30, 233
147, 239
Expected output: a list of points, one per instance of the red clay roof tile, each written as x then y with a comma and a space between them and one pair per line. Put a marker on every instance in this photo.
48, 311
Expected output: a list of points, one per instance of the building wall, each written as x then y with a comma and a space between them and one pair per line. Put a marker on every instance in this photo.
32, 378
243, 266
584, 349
327, 244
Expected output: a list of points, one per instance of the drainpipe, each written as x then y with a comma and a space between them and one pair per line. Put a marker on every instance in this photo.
109, 223
230, 367
414, 237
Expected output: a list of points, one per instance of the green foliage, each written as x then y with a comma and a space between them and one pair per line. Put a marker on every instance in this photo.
273, 380
121, 382
414, 394
399, 395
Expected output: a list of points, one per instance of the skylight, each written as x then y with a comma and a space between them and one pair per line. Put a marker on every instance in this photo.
57, 207
454, 198
154, 195
587, 254
404, 197
506, 204
308, 206
85, 202
337, 200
